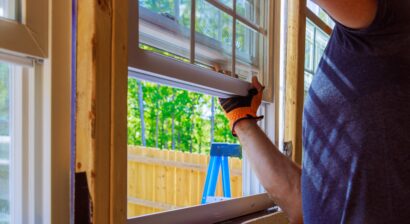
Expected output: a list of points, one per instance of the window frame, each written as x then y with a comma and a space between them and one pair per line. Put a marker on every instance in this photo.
28, 37
143, 64
30, 41
148, 61
24, 49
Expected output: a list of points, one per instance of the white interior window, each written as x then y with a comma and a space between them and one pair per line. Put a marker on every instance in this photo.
183, 55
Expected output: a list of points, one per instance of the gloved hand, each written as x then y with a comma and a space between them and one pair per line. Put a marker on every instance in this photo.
239, 108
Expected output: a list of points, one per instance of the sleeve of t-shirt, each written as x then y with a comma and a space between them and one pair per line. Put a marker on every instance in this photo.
388, 32
392, 16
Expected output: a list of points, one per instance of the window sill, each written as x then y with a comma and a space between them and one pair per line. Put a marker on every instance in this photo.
209, 213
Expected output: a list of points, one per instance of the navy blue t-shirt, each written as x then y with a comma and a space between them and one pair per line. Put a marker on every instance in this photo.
356, 124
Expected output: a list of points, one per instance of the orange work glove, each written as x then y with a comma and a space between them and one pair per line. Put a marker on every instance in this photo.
239, 108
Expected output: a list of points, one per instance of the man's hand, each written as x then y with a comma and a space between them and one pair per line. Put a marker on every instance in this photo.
243, 107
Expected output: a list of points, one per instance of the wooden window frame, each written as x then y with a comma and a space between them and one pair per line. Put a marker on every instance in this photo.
102, 50
298, 13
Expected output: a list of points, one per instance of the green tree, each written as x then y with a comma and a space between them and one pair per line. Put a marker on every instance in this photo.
175, 118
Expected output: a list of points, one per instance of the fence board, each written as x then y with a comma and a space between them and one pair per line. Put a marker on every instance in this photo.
160, 180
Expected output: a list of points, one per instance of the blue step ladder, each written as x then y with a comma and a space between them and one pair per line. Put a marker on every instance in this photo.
220, 152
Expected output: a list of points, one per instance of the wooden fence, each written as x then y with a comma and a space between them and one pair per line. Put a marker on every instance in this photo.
160, 180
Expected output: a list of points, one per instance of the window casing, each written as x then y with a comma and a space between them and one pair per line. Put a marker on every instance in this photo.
23, 50
191, 69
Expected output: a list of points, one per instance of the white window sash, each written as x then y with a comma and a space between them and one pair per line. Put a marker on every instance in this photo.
27, 178
154, 67
18, 161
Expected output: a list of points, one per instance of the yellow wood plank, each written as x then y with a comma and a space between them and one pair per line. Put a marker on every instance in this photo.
181, 188
160, 187
195, 184
171, 180
192, 188
119, 83
295, 75
202, 175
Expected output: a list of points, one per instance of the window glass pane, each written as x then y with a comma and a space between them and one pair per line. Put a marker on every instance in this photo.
165, 27
253, 10
309, 51
169, 139
320, 13
250, 50
316, 41
4, 143
9, 9
213, 38
228, 3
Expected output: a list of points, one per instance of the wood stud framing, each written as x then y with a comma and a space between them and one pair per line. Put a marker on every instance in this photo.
296, 26
101, 98
101, 135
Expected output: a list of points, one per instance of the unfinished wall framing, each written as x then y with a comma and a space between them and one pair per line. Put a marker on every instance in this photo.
295, 58
101, 108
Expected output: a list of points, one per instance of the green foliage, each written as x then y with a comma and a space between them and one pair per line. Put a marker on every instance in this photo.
190, 111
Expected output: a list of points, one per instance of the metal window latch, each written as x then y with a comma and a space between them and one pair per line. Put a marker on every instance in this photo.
288, 149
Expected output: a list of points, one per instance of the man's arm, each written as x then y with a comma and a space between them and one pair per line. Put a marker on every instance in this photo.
279, 175
355, 14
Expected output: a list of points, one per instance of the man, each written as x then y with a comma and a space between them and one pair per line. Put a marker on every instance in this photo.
356, 124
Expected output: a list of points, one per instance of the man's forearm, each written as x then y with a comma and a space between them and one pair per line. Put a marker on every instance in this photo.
279, 175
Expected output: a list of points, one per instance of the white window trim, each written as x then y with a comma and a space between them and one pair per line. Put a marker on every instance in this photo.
28, 179
144, 65
28, 37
